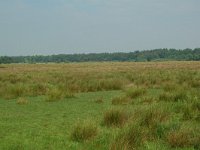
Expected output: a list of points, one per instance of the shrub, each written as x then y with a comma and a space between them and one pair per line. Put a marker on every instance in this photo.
22, 101
120, 100
115, 117
83, 131
135, 92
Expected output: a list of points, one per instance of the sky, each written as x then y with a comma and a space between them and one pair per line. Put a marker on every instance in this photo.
45, 27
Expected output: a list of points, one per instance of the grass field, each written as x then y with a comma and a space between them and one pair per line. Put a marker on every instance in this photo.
101, 106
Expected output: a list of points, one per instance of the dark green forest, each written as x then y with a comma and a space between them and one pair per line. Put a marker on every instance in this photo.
137, 56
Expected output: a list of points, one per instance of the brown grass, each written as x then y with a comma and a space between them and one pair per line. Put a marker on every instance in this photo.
184, 137
115, 117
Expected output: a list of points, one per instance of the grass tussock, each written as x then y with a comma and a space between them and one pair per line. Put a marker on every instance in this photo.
99, 100
11, 91
83, 131
115, 117
148, 100
121, 100
174, 96
22, 101
129, 138
184, 137
170, 87
54, 95
153, 116
135, 92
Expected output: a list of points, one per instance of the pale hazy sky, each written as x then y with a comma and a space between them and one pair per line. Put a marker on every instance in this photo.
29, 27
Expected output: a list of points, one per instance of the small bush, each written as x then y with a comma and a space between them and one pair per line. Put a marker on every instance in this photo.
22, 101
83, 131
120, 100
114, 117
135, 92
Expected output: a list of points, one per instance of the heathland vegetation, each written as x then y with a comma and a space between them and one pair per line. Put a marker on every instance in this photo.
137, 56
104, 105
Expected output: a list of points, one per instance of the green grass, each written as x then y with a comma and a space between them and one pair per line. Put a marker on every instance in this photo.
83, 131
48, 125
102, 106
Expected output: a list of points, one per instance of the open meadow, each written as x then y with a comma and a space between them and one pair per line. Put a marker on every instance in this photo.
100, 106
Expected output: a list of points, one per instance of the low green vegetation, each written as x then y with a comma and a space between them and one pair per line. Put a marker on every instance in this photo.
83, 131
116, 106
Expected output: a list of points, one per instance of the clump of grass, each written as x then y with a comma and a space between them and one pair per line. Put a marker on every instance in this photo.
68, 94
12, 91
99, 100
179, 96
130, 138
165, 96
148, 100
56, 95
22, 101
135, 92
121, 100
190, 109
111, 84
169, 87
174, 96
154, 116
194, 83
83, 131
184, 137
115, 117
38, 89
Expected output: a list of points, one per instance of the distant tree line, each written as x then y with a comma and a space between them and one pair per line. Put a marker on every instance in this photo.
147, 55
